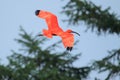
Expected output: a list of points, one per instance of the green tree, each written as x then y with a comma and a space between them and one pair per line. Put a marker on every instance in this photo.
5, 72
33, 63
101, 21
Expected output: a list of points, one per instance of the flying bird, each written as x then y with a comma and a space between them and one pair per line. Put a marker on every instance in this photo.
55, 30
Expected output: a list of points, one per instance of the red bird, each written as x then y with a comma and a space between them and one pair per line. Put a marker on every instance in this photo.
55, 30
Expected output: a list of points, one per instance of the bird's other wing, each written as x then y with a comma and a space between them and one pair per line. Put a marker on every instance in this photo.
67, 40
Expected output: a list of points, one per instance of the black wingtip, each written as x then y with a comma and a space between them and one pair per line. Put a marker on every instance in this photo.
69, 48
37, 12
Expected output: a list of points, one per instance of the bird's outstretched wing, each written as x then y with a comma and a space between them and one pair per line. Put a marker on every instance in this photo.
68, 40
51, 21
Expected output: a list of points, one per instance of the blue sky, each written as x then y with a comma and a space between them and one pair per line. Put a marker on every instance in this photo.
14, 13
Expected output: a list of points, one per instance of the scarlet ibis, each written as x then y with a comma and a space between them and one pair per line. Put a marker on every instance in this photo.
55, 30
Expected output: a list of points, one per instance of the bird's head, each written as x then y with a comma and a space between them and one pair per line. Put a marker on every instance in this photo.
70, 31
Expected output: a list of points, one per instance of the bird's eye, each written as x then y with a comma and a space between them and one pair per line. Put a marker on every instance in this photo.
37, 12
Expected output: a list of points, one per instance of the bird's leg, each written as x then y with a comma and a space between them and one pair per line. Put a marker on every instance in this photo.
40, 35
54, 34
43, 35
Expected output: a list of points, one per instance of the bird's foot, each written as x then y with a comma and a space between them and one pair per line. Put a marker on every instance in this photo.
40, 35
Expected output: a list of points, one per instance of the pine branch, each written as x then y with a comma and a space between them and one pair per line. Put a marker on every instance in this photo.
97, 19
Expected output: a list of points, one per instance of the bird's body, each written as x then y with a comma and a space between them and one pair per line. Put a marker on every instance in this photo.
54, 29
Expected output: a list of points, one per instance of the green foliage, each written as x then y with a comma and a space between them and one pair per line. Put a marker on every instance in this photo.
5, 73
33, 63
111, 63
96, 18
102, 21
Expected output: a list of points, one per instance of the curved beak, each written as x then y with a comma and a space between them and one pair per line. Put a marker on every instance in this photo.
76, 33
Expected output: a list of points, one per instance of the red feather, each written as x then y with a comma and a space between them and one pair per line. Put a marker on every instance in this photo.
54, 28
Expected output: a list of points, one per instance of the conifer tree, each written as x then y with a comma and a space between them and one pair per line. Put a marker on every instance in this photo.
33, 63
101, 21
